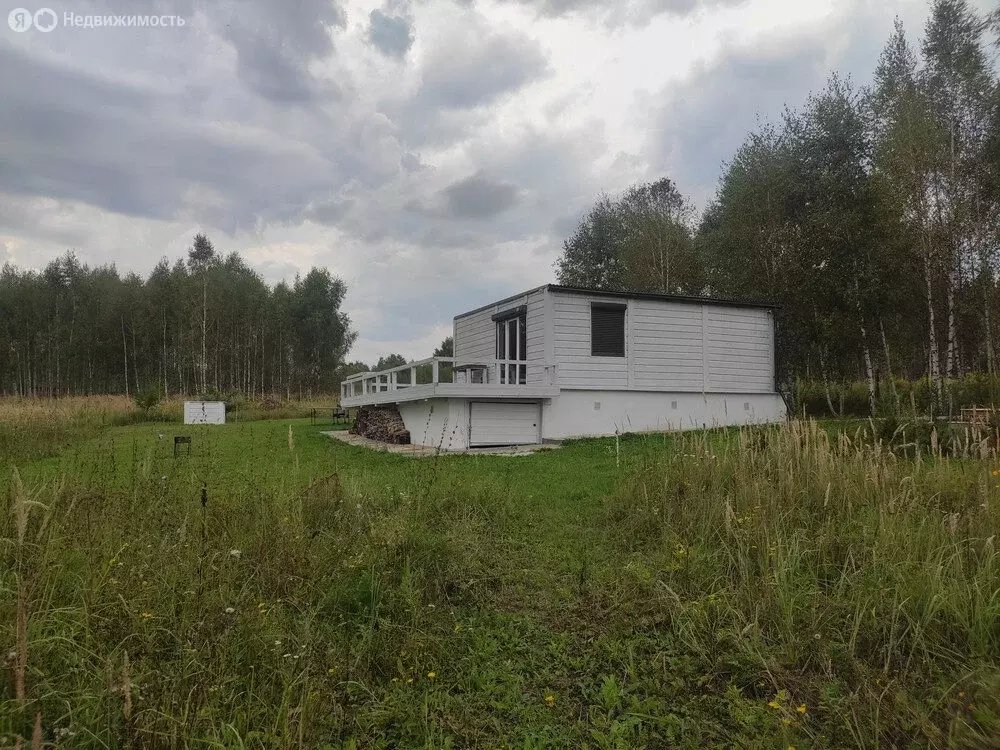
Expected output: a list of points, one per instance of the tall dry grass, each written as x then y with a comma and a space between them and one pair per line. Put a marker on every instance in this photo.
33, 428
836, 568
71, 408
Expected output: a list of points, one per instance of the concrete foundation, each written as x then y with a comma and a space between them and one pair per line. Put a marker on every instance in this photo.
444, 422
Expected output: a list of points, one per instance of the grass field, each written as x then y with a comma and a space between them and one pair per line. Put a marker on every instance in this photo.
788, 587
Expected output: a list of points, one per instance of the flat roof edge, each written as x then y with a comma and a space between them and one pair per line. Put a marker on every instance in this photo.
503, 301
691, 299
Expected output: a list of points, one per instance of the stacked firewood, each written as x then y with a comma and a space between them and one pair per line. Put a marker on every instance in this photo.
381, 423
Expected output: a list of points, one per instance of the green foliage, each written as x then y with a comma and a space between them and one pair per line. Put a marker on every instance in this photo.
148, 398
641, 240
389, 361
760, 588
72, 329
446, 349
897, 398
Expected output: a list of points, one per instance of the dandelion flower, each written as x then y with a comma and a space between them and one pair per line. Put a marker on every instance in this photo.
996, 472
458, 626
774, 705
409, 681
801, 709
431, 675
961, 694
147, 615
550, 700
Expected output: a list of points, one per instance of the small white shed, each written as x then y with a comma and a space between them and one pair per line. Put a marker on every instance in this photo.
204, 412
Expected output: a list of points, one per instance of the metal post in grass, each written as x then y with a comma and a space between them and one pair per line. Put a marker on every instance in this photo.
204, 539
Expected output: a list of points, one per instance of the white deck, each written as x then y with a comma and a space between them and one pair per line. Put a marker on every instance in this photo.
384, 387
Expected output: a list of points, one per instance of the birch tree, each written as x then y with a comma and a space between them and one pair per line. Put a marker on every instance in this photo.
959, 88
72, 329
905, 161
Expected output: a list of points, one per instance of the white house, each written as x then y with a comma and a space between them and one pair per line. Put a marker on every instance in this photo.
558, 362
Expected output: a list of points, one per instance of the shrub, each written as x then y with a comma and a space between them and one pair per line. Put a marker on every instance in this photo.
148, 399
854, 399
898, 397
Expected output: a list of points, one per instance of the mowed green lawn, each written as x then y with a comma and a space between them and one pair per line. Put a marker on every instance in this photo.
765, 589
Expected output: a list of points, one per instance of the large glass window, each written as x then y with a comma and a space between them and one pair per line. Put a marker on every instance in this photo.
512, 349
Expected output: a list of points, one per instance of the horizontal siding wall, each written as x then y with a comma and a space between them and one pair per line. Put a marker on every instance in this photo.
571, 330
669, 346
667, 351
536, 336
475, 334
740, 350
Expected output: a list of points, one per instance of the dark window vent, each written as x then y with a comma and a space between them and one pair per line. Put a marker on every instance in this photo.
607, 330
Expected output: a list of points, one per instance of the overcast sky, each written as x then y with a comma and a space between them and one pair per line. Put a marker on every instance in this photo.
433, 154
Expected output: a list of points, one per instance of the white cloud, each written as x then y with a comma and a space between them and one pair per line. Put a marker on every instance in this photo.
434, 156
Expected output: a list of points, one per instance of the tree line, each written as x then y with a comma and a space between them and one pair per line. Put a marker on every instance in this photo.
871, 215
205, 324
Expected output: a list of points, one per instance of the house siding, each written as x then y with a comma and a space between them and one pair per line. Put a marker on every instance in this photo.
739, 350
475, 333
571, 330
669, 346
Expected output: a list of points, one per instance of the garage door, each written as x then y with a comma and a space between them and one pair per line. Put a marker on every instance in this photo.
504, 424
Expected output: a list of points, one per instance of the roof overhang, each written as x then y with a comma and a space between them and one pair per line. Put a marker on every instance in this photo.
688, 299
583, 291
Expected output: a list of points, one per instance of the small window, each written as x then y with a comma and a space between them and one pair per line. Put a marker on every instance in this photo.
607, 330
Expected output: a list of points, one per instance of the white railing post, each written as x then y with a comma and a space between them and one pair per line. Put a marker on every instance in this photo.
437, 372
413, 376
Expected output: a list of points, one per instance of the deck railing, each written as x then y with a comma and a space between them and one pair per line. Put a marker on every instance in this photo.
435, 370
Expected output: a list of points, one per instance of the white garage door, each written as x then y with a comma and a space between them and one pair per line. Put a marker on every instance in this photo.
504, 424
